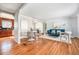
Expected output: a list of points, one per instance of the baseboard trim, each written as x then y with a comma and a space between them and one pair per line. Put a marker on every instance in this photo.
75, 37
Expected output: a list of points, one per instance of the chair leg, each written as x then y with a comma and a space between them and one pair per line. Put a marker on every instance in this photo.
60, 38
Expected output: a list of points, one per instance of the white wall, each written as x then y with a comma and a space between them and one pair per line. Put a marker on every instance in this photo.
71, 24
59, 21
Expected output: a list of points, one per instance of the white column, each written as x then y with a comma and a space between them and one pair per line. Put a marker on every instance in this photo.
19, 28
44, 28
16, 27
77, 25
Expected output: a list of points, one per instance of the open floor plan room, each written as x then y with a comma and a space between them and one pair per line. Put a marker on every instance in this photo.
39, 29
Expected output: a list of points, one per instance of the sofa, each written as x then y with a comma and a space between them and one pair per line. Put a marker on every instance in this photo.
55, 32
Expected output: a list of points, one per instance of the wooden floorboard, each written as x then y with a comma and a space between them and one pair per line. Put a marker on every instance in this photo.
8, 46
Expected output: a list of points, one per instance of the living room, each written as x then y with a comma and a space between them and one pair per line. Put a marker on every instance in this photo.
44, 29
54, 19
59, 17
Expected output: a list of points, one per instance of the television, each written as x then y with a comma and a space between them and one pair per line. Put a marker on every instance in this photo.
6, 24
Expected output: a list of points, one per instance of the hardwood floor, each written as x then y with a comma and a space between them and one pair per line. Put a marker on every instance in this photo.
6, 44
39, 47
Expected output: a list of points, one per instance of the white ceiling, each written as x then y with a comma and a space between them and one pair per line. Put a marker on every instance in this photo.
49, 10
10, 7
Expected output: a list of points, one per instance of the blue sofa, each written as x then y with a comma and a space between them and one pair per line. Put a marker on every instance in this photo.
55, 32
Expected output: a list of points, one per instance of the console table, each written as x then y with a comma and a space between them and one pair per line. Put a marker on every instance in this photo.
67, 35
